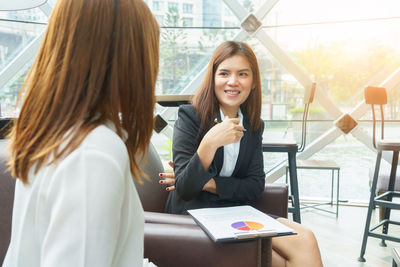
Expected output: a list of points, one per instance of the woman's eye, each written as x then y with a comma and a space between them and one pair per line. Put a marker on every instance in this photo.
244, 74
223, 74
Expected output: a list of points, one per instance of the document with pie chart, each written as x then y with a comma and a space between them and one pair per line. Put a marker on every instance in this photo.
237, 223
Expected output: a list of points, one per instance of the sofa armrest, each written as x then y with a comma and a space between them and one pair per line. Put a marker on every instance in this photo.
157, 217
274, 200
188, 245
7, 188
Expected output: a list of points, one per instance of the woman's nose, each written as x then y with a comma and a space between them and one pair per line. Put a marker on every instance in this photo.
233, 79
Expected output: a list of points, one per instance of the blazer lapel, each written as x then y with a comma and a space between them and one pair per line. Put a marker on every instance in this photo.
243, 146
219, 154
219, 159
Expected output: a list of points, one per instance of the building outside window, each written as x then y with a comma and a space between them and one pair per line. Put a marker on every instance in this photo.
187, 22
173, 6
160, 19
229, 24
187, 8
227, 12
157, 5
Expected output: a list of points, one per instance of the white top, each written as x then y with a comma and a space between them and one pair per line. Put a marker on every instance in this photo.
82, 211
231, 152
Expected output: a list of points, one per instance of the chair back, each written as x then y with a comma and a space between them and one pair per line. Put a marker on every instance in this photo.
376, 96
151, 193
308, 99
7, 185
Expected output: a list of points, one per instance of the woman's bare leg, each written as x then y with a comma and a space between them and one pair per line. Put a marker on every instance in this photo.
278, 260
298, 250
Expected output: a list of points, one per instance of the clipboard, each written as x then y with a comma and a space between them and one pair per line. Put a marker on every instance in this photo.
238, 223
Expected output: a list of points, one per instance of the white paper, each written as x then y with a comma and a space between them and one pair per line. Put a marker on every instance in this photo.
238, 223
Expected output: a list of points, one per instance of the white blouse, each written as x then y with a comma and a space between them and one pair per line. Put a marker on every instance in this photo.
231, 152
82, 211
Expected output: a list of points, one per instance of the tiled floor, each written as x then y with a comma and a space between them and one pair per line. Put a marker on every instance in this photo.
340, 239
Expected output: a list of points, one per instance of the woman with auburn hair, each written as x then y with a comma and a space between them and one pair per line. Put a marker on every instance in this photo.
86, 115
217, 149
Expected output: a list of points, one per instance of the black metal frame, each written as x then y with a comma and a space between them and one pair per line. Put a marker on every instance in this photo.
292, 150
377, 95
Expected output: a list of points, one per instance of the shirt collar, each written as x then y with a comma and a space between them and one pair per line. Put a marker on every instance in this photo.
240, 116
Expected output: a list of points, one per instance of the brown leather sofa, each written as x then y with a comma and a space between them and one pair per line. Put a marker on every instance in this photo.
7, 185
170, 240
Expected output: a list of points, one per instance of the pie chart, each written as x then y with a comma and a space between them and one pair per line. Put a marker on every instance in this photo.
247, 225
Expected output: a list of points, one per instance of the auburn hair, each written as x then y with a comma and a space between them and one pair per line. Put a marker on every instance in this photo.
205, 101
98, 62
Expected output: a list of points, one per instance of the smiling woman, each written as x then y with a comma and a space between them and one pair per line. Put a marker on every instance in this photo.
221, 164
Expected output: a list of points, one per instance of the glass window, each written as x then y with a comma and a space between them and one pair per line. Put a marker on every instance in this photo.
27, 16
187, 22
18, 29
229, 24
227, 12
157, 5
336, 43
187, 8
173, 6
160, 19
183, 54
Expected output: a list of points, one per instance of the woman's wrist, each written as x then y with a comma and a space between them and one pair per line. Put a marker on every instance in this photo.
210, 186
206, 152
208, 144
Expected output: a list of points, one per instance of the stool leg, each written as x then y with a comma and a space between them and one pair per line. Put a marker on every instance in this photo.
286, 180
337, 195
333, 179
392, 180
294, 188
371, 204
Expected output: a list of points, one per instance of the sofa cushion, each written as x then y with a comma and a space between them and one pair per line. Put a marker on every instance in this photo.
383, 179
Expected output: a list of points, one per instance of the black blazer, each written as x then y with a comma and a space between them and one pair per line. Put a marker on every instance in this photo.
246, 183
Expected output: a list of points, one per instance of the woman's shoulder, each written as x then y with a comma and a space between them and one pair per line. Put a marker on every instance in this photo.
188, 113
188, 121
104, 140
187, 109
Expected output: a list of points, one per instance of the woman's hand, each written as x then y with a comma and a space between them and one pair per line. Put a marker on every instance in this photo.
168, 178
227, 132
210, 186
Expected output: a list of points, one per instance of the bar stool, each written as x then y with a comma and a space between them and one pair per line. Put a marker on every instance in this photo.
292, 149
377, 96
